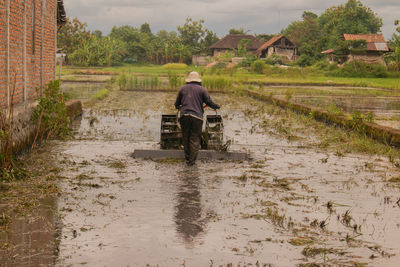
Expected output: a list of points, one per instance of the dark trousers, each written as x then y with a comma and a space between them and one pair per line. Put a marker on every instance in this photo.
191, 136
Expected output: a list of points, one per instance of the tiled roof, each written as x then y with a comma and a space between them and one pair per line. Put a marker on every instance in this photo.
370, 38
375, 42
329, 51
269, 43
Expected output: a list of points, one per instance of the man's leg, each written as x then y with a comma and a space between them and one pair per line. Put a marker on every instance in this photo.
195, 139
185, 126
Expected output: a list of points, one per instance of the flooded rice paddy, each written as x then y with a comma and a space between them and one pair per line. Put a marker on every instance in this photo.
383, 103
293, 204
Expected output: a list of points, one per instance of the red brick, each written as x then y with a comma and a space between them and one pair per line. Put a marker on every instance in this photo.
33, 63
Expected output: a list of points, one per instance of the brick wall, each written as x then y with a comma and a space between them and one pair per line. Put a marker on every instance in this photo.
2, 53
31, 59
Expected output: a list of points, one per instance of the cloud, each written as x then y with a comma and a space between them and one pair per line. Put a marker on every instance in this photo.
259, 16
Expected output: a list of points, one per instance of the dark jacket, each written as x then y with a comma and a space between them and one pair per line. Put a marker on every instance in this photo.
190, 100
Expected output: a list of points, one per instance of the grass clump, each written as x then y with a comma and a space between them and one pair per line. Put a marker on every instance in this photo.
4, 220
312, 252
175, 80
301, 242
117, 165
394, 180
218, 82
175, 66
100, 95
258, 66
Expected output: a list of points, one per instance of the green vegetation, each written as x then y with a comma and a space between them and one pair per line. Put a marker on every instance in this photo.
50, 119
300, 241
313, 34
100, 95
258, 66
51, 115
174, 80
318, 33
175, 66
128, 44
218, 82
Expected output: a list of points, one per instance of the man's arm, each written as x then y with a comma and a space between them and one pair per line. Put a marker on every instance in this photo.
178, 101
208, 101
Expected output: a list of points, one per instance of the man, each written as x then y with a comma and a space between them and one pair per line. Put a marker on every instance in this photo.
190, 101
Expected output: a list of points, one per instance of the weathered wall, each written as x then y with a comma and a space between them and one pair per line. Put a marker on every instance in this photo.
217, 52
201, 60
289, 53
27, 44
369, 58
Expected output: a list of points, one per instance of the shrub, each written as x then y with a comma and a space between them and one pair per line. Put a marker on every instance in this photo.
361, 70
258, 66
51, 114
248, 60
123, 81
305, 60
103, 93
220, 65
273, 60
175, 66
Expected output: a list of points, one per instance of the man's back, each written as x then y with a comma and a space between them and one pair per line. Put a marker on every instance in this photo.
191, 97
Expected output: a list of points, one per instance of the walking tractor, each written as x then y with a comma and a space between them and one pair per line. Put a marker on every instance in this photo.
211, 138
212, 141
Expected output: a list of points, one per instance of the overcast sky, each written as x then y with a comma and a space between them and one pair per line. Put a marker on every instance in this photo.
257, 16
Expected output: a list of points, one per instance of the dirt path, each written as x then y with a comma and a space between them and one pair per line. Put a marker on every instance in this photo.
293, 204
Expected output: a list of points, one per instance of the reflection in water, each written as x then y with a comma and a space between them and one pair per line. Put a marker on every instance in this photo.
188, 208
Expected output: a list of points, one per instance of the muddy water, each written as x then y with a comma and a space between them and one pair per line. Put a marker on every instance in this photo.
121, 211
81, 90
386, 109
31, 240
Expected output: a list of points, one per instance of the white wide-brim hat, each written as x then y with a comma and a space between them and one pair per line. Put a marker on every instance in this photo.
193, 77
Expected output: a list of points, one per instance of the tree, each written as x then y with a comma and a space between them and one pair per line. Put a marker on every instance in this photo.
191, 32
265, 37
194, 36
131, 37
394, 44
145, 28
306, 35
237, 31
97, 33
305, 31
314, 34
210, 39
99, 51
72, 35
242, 47
353, 18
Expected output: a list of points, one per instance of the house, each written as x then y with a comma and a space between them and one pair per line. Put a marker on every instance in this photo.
231, 43
28, 34
373, 54
278, 45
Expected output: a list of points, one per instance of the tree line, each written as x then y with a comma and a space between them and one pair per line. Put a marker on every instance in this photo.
130, 44
312, 34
